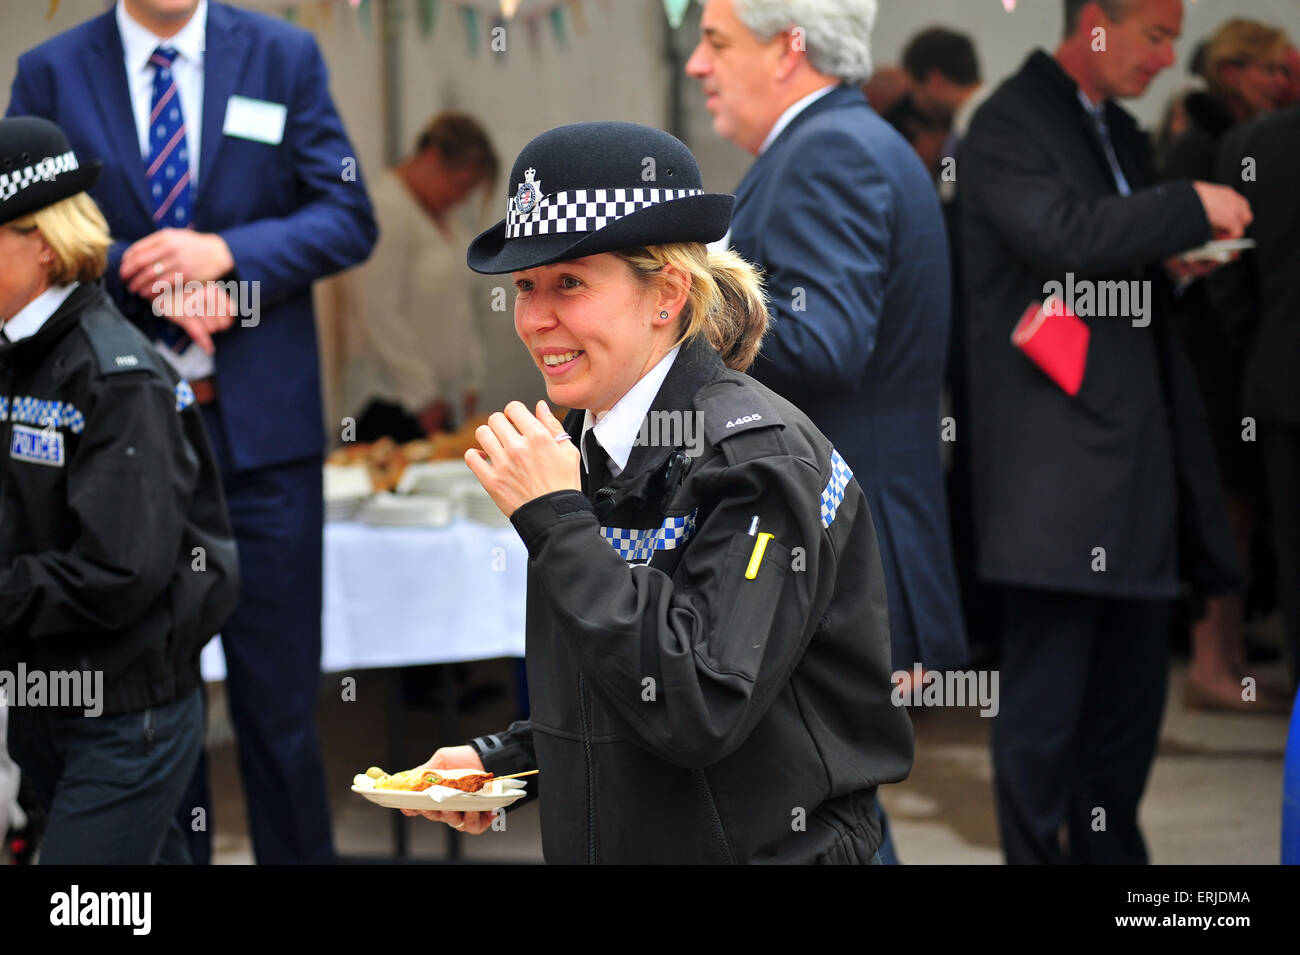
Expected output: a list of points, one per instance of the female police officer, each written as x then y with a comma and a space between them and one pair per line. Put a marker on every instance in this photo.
116, 558
708, 647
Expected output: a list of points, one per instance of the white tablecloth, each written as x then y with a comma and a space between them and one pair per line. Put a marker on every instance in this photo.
410, 595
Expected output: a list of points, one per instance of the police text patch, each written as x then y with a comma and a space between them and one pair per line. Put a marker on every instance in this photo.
37, 445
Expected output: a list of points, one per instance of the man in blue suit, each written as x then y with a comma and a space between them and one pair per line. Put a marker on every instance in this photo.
230, 189
843, 218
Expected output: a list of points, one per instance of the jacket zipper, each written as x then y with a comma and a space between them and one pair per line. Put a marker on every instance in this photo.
9, 439
584, 706
719, 834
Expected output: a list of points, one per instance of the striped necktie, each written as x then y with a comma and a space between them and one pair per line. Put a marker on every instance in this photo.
168, 171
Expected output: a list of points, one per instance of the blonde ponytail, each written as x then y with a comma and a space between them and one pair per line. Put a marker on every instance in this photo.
726, 303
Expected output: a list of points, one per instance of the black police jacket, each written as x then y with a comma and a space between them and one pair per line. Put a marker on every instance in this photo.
691, 701
116, 552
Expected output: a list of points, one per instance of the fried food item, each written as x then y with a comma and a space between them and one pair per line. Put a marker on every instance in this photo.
412, 780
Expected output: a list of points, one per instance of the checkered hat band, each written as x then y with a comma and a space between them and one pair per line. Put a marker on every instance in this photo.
833, 493
12, 183
638, 544
585, 210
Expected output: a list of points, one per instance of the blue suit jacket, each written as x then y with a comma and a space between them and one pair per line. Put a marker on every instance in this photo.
285, 210
843, 218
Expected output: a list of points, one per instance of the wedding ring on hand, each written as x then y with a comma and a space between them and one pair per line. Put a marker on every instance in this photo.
157, 268
563, 437
459, 825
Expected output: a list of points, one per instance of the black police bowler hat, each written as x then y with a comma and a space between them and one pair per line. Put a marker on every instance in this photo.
599, 187
38, 167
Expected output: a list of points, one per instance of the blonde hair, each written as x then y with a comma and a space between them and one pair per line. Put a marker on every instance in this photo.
726, 302
1239, 42
76, 233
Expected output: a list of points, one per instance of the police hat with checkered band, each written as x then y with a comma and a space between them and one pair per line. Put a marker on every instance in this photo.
599, 187
38, 167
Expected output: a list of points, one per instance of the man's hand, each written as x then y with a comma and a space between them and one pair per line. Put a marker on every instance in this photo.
201, 311
1228, 211
455, 757
197, 256
1185, 272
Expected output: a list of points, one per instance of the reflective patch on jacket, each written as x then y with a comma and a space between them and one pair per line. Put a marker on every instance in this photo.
57, 414
833, 493
638, 544
37, 446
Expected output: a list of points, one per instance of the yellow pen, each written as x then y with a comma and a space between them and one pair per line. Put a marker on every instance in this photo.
756, 557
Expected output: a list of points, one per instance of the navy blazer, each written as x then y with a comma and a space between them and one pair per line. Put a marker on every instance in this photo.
843, 218
286, 211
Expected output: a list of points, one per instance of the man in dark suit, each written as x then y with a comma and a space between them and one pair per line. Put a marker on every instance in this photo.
227, 174
1082, 503
1259, 298
843, 219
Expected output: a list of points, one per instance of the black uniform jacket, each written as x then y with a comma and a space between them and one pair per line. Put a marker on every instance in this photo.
683, 711
115, 548
1095, 493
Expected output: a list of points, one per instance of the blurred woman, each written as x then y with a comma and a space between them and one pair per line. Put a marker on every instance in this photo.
410, 357
116, 557
1245, 68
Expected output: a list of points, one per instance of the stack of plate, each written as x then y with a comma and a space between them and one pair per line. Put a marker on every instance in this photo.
399, 510
346, 489
437, 478
477, 505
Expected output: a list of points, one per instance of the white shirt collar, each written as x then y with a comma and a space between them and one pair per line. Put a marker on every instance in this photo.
139, 43
788, 116
617, 429
32, 316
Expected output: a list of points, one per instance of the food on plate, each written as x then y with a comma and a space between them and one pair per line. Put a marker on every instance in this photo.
415, 780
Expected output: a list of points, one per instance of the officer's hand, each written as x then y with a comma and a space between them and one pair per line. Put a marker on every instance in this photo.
521, 459
455, 757
196, 256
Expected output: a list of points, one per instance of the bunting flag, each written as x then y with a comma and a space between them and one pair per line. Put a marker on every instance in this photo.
470, 17
509, 8
428, 16
676, 11
54, 8
1009, 5
578, 16
557, 27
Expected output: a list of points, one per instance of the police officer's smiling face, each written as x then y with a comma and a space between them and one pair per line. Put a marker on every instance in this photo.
591, 328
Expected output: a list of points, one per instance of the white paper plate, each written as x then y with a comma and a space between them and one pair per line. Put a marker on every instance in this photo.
497, 794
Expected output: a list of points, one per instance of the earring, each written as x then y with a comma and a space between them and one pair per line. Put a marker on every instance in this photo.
663, 314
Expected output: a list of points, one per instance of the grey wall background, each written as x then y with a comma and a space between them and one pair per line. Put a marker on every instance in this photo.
621, 66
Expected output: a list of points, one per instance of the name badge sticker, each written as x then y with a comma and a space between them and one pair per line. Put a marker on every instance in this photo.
255, 119
37, 446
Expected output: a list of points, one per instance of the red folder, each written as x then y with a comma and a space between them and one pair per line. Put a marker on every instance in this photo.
1056, 340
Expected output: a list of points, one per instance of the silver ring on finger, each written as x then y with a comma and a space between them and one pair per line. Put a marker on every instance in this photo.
459, 825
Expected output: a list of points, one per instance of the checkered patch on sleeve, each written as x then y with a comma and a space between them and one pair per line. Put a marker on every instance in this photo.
43, 413
637, 545
833, 493
184, 395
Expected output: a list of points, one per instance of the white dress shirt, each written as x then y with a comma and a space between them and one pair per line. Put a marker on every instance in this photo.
32, 316
617, 429
138, 44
